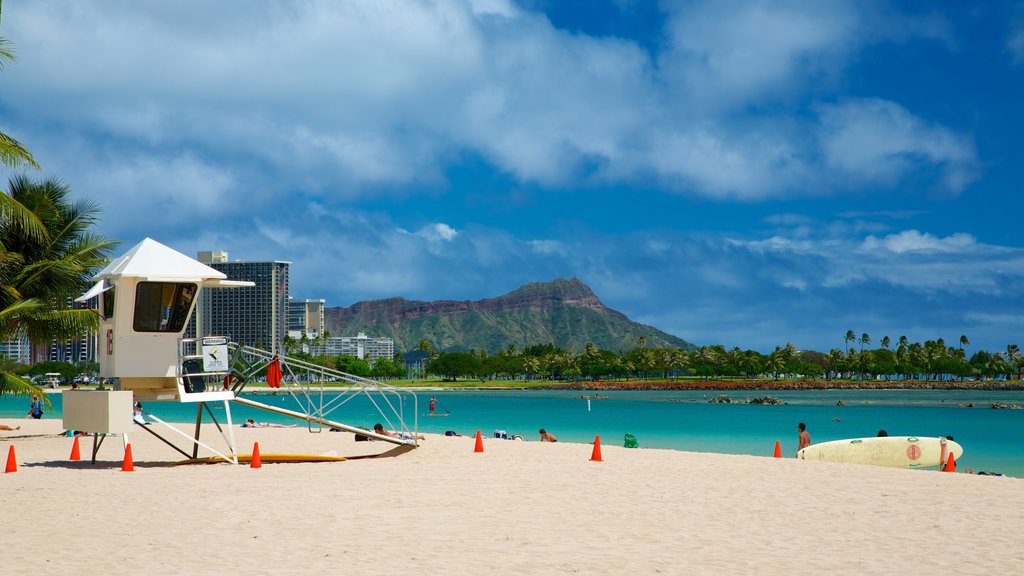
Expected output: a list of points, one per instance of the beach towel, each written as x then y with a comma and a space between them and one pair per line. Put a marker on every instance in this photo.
274, 373
630, 441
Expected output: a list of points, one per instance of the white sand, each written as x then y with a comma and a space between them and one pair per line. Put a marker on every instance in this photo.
518, 508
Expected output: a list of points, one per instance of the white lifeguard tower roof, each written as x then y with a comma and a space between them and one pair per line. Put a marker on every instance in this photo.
151, 261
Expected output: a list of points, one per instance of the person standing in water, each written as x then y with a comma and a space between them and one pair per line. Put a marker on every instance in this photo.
805, 438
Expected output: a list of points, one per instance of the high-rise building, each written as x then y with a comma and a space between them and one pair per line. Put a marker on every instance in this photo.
360, 346
17, 349
256, 316
305, 317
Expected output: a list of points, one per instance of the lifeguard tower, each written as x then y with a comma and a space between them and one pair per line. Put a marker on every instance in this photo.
146, 298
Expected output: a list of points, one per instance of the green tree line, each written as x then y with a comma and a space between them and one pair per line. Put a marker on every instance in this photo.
930, 360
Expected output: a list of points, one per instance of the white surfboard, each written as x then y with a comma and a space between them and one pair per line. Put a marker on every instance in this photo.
893, 451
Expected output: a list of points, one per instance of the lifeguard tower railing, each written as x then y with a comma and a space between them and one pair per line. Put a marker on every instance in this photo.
319, 394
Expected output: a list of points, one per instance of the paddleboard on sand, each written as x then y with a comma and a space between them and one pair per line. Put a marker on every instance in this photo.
893, 451
294, 458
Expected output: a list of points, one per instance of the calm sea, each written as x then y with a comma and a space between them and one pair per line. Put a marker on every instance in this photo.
683, 420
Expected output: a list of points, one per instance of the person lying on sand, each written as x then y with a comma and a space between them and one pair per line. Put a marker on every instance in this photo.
379, 429
546, 436
7, 428
250, 423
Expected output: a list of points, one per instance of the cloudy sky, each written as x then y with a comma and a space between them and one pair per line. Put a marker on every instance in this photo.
745, 173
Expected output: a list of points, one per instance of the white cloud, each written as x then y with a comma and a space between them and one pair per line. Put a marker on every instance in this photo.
1016, 44
912, 240
437, 232
875, 140
728, 54
358, 98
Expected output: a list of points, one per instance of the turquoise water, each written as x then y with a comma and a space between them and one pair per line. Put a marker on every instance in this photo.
683, 420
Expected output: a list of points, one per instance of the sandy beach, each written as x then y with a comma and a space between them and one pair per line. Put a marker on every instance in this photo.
518, 508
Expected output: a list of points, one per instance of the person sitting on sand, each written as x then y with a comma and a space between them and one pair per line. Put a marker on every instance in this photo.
138, 416
250, 423
6, 428
35, 409
546, 436
805, 438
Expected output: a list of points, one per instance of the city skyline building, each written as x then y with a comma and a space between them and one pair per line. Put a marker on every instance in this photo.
306, 317
255, 316
17, 349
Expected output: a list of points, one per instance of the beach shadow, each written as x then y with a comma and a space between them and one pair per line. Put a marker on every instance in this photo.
88, 465
396, 451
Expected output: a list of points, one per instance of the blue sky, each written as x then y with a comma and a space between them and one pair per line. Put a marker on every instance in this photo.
732, 172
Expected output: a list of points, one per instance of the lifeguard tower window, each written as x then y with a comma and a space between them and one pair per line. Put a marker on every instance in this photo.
163, 306
108, 303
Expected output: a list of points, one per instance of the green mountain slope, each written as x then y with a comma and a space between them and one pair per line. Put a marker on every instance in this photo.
563, 312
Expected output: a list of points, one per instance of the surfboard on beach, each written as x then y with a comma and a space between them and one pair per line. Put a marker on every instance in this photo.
892, 451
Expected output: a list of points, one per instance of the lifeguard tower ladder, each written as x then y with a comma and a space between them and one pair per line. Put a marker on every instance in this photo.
146, 298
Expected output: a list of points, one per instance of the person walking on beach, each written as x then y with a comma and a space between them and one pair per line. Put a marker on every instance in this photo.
35, 409
805, 438
545, 436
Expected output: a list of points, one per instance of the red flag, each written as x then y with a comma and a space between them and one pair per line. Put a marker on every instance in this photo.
274, 373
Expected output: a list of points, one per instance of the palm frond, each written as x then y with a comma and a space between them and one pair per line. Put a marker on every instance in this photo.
13, 154
13, 212
46, 325
13, 385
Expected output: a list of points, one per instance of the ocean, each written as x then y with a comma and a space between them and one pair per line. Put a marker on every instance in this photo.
684, 420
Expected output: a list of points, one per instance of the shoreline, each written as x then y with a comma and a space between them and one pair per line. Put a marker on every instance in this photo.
655, 385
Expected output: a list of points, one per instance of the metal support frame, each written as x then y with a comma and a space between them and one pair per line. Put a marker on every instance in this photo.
229, 437
305, 384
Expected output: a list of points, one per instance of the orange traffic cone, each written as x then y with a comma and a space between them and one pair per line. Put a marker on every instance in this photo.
76, 452
596, 455
12, 461
255, 462
127, 465
950, 464
479, 443
778, 449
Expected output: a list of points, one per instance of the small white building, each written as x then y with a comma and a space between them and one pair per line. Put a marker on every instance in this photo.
360, 346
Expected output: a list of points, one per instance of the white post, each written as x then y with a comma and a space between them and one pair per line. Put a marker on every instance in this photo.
231, 431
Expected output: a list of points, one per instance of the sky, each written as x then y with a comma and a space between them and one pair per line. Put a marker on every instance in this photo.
744, 173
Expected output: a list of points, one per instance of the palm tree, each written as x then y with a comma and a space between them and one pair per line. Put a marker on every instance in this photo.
850, 337
964, 342
886, 342
47, 256
12, 153
864, 339
1013, 357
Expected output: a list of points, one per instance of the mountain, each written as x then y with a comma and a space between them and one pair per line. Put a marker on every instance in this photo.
563, 312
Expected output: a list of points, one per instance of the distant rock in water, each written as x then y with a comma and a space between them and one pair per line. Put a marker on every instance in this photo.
1005, 406
563, 312
766, 400
723, 399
